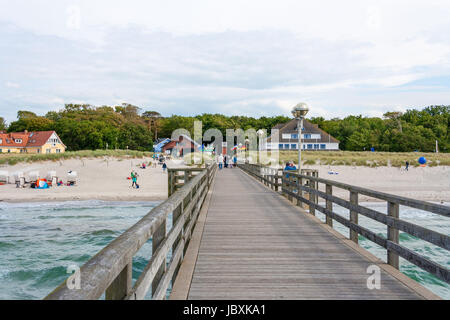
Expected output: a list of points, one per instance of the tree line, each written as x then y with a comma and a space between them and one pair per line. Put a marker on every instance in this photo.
86, 127
395, 132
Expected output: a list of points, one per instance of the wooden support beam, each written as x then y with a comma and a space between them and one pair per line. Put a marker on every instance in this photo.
393, 234
122, 285
354, 216
329, 204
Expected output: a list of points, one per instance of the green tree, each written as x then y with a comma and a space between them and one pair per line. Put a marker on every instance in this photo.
3, 125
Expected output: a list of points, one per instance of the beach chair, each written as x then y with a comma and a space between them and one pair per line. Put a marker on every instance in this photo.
72, 177
52, 177
4, 176
33, 176
19, 179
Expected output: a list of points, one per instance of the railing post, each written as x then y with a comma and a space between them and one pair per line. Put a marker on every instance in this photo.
289, 186
170, 182
312, 196
176, 215
277, 179
329, 204
158, 237
122, 285
299, 191
393, 234
274, 177
186, 176
354, 216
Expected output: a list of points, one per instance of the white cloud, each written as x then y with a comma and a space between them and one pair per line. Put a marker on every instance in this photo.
14, 85
249, 57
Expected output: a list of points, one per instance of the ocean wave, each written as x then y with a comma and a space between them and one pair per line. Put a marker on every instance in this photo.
6, 245
64, 217
80, 204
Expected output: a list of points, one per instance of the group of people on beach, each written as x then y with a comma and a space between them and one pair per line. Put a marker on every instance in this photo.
226, 161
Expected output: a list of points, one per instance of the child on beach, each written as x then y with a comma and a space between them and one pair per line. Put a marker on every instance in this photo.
134, 176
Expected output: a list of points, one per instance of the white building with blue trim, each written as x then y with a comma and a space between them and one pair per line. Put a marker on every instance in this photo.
313, 138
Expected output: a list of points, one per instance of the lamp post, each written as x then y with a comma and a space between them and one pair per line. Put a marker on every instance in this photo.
299, 112
246, 149
260, 134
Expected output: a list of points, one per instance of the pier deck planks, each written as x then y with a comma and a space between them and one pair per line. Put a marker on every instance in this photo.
256, 245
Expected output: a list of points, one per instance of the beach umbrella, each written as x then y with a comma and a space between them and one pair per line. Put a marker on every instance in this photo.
42, 184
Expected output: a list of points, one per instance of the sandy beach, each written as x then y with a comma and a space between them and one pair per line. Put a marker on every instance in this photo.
98, 179
106, 179
420, 183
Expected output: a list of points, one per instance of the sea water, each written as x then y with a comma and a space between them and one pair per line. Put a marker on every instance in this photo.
39, 241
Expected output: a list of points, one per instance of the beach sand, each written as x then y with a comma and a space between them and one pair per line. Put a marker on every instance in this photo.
106, 179
99, 179
420, 183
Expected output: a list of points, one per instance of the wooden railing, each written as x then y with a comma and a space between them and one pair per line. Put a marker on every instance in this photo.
178, 177
305, 190
110, 271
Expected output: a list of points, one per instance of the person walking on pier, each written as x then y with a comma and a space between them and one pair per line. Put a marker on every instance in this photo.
407, 165
220, 160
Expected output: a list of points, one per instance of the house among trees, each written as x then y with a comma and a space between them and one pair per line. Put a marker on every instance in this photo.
159, 144
181, 147
31, 142
313, 138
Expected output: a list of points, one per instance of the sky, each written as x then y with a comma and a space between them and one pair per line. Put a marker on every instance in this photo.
235, 57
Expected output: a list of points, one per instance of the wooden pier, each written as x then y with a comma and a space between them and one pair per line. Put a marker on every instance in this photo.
251, 233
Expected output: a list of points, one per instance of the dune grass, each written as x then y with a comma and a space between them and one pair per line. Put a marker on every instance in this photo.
368, 159
12, 159
347, 158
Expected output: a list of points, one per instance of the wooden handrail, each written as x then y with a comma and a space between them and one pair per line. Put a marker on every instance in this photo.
413, 203
109, 271
293, 187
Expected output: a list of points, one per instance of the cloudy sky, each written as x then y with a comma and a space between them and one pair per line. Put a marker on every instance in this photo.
248, 57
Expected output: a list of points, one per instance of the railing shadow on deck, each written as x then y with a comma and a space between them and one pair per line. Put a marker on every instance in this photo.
304, 189
110, 271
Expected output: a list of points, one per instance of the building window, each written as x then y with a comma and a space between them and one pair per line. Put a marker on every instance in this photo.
280, 146
286, 146
307, 136
18, 140
9, 151
48, 150
38, 150
323, 146
310, 146
316, 146
1, 151
294, 136
293, 146
58, 150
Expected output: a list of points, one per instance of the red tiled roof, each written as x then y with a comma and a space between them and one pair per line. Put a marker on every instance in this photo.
29, 139
39, 138
9, 139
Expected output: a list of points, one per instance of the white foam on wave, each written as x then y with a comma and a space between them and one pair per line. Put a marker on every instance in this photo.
75, 204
